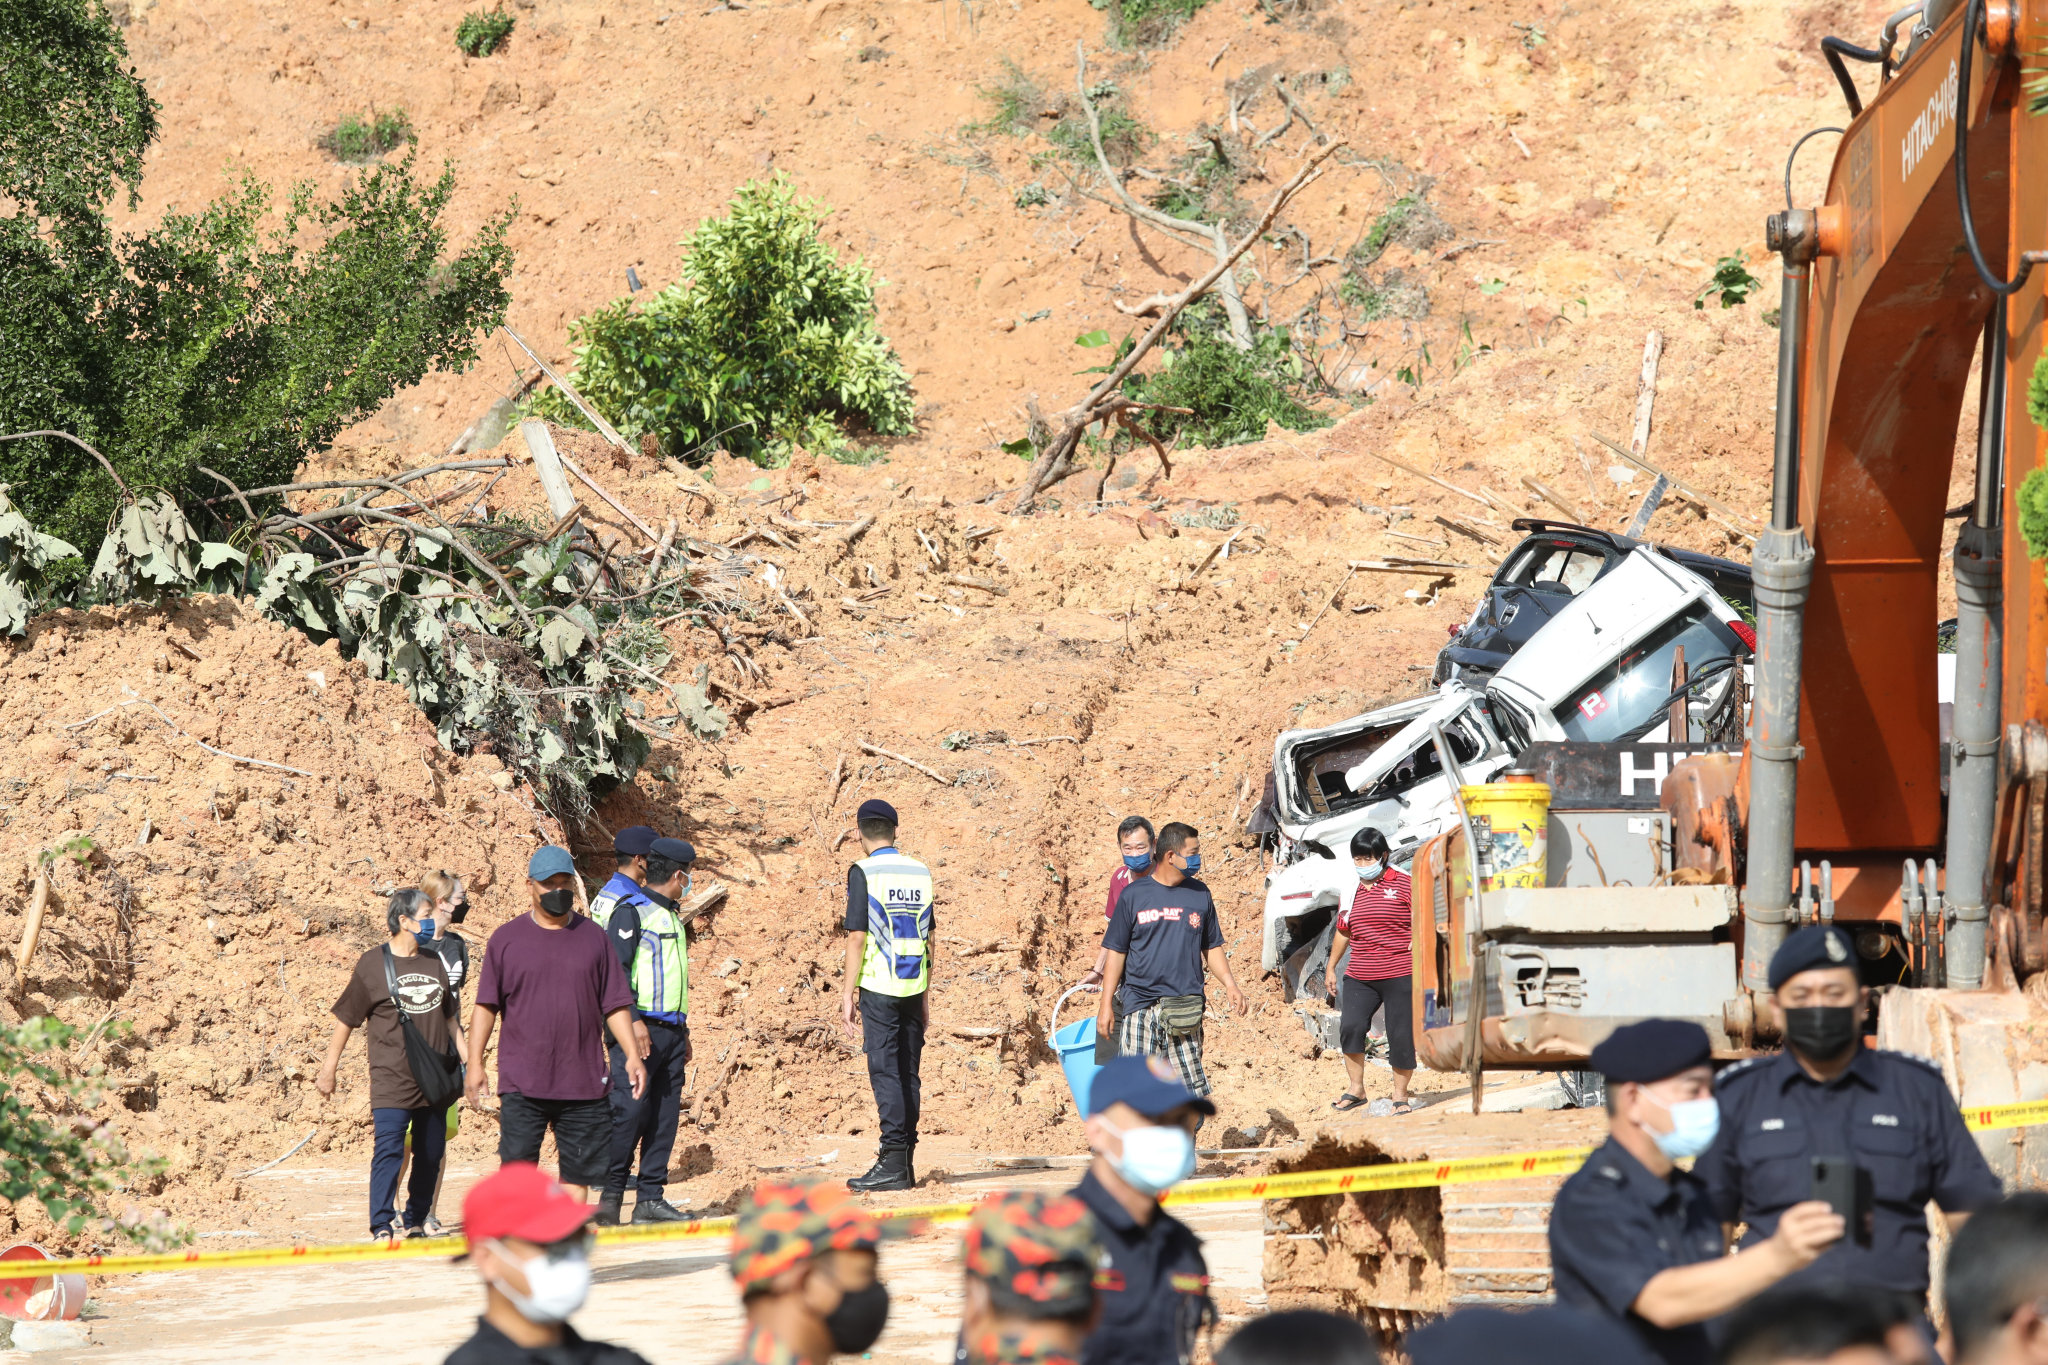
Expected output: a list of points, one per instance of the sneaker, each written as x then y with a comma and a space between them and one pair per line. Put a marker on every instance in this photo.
658, 1211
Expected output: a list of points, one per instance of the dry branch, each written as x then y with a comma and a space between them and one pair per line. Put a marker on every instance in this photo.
1055, 459
604, 428
880, 752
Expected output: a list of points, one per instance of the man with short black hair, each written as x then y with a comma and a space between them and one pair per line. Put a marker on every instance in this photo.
652, 942
558, 984
1134, 840
1635, 1237
1816, 1324
1996, 1284
1887, 1115
1163, 933
630, 846
887, 991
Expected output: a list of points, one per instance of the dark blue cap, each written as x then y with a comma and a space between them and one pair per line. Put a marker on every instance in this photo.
876, 810
1651, 1050
548, 861
1537, 1336
633, 841
1817, 945
675, 850
1147, 1084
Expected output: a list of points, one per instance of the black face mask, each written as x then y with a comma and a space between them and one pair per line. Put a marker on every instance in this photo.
557, 902
858, 1319
1821, 1033
458, 912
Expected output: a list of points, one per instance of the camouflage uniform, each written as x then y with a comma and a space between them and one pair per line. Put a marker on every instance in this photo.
782, 1224
1039, 1255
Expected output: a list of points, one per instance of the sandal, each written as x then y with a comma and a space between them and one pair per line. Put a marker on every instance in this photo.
1347, 1101
1400, 1107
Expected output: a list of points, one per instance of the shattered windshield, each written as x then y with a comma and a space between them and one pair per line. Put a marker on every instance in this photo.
1627, 697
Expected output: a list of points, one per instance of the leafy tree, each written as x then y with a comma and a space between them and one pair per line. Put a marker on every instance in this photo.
205, 341
766, 342
51, 1151
1233, 393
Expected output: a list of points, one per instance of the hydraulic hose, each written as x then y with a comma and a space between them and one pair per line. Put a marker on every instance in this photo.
1973, 14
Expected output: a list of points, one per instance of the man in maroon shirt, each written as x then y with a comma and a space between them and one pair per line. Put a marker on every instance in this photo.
554, 977
1134, 843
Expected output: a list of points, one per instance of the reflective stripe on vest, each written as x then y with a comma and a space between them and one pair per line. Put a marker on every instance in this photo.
897, 957
661, 966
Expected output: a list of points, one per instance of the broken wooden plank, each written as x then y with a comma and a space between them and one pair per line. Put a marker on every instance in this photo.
604, 428
1646, 394
985, 585
1440, 483
1405, 565
642, 527
1469, 532
547, 463
1553, 497
1706, 500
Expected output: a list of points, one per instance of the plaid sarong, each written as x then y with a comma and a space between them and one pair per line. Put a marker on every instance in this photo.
1140, 1034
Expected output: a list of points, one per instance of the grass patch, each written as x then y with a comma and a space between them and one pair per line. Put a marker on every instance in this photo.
1014, 102
1392, 295
483, 32
1018, 106
354, 140
1147, 23
1233, 393
1033, 195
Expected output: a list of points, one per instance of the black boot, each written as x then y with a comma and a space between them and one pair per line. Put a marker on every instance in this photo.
608, 1210
657, 1211
891, 1171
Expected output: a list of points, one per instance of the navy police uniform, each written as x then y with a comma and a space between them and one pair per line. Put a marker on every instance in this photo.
1890, 1114
1616, 1225
1154, 1291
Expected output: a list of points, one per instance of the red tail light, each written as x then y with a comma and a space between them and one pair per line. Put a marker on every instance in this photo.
1745, 633
1454, 629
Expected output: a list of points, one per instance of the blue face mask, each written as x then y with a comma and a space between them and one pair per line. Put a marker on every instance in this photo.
1194, 862
1694, 1124
1155, 1159
1137, 862
426, 932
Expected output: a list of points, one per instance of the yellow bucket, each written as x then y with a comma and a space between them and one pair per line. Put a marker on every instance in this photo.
1511, 821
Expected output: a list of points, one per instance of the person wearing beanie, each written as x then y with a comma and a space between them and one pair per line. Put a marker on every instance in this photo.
1887, 1117
886, 998
529, 1240
804, 1258
1031, 1261
1635, 1238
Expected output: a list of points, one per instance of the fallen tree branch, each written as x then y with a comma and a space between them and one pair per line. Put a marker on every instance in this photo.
604, 428
880, 752
642, 527
1053, 460
67, 436
222, 753
1287, 98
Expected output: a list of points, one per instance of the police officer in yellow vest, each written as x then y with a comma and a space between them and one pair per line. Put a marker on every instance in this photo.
652, 942
888, 979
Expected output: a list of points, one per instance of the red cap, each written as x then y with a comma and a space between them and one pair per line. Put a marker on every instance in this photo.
521, 1201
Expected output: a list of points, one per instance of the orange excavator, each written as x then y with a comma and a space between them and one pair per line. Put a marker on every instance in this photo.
1928, 830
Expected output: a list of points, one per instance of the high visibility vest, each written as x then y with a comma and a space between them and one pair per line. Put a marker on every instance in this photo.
661, 965
897, 959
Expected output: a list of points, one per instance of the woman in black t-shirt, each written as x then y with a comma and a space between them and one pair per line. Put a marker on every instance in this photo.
450, 905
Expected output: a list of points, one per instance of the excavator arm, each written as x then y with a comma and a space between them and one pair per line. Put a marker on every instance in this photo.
1884, 304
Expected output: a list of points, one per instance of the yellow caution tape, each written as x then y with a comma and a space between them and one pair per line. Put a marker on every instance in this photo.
1396, 1175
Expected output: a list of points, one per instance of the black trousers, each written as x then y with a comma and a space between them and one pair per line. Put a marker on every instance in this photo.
892, 1035
1361, 1000
649, 1122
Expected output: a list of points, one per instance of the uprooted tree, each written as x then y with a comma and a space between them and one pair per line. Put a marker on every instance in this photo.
205, 340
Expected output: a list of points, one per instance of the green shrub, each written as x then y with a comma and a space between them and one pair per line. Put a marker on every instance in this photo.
1014, 102
1732, 283
1033, 195
203, 340
1146, 23
1233, 393
354, 141
483, 32
2032, 500
765, 342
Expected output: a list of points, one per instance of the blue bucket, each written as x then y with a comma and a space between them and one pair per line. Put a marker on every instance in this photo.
1075, 1045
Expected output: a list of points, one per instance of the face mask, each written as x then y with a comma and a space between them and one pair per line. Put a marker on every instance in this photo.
557, 902
1693, 1126
1194, 863
458, 912
427, 932
555, 1286
858, 1319
1137, 862
1821, 1033
1371, 872
688, 878
1155, 1158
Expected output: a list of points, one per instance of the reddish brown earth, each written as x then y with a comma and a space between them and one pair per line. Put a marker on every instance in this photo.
1654, 141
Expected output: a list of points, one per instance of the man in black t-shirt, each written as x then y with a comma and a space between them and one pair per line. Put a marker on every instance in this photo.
1162, 935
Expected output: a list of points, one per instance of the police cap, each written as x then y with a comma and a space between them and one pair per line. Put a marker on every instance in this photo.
633, 841
675, 850
1817, 945
1147, 1084
1651, 1050
873, 809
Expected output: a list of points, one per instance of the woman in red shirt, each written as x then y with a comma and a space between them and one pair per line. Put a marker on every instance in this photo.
1378, 928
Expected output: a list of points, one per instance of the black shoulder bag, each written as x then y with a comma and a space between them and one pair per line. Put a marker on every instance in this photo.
438, 1074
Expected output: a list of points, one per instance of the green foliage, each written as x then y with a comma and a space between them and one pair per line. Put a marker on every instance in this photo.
1146, 23
766, 342
1124, 139
1732, 283
483, 32
26, 555
2037, 393
1385, 228
1392, 295
1233, 393
51, 1150
1014, 102
354, 141
1033, 195
2033, 504
203, 340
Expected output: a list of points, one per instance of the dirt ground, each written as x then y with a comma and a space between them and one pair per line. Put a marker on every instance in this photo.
1590, 164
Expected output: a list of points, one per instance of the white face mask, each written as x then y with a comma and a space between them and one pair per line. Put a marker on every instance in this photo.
556, 1286
1370, 872
1156, 1158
